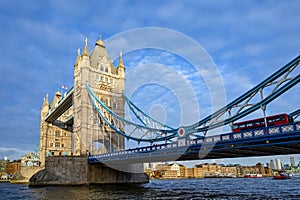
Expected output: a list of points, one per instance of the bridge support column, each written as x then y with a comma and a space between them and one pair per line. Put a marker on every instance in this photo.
100, 174
72, 170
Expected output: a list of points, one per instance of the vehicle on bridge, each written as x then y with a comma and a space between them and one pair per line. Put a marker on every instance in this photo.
273, 120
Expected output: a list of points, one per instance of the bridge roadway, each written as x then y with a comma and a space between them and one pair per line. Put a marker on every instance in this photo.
275, 140
62, 106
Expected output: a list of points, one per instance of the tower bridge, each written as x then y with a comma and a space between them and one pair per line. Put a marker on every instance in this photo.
90, 120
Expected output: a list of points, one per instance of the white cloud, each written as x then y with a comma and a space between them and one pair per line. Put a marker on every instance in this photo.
13, 153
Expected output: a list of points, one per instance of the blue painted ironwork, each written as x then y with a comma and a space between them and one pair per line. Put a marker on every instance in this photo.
153, 131
282, 82
137, 132
295, 114
144, 118
242, 144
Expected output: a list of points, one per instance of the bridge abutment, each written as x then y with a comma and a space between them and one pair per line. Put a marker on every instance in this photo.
75, 170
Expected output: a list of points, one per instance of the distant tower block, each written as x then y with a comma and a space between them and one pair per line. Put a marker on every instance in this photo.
292, 161
108, 83
278, 164
272, 164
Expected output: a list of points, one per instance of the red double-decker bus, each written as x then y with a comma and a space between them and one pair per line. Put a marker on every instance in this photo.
260, 122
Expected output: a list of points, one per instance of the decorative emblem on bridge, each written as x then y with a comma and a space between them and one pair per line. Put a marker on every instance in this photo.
181, 132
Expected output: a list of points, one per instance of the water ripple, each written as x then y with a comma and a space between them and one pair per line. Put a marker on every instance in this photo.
220, 189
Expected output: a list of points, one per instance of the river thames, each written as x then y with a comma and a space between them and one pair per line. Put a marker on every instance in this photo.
208, 188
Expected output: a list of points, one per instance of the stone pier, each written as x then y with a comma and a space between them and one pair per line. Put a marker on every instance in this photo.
71, 170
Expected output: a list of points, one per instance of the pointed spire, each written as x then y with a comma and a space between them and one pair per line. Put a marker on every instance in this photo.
121, 60
86, 50
78, 52
121, 67
100, 42
78, 56
45, 107
46, 100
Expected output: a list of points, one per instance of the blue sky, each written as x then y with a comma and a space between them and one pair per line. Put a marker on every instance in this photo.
247, 40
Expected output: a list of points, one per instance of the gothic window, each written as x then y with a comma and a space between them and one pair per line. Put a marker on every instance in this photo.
57, 133
57, 144
102, 68
106, 102
114, 105
106, 69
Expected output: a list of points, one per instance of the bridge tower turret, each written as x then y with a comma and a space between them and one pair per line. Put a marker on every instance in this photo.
54, 141
81, 104
43, 130
108, 83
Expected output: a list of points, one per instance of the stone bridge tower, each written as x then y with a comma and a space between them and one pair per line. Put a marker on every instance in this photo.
54, 141
108, 83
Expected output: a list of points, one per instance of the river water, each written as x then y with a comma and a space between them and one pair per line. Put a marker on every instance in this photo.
208, 188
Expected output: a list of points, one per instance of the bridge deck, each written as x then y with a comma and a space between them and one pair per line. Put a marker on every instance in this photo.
62, 107
277, 140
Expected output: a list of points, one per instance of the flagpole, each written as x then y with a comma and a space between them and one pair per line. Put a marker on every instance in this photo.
61, 91
65, 88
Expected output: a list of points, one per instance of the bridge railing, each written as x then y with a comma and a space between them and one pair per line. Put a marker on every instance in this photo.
227, 137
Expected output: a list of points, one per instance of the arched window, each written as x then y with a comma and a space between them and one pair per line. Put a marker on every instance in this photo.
57, 144
57, 133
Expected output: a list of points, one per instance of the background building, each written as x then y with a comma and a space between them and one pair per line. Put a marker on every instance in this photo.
292, 161
272, 164
12, 168
278, 164
3, 164
171, 170
30, 159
